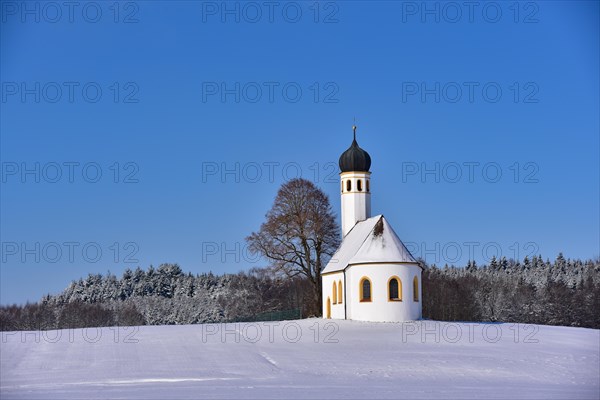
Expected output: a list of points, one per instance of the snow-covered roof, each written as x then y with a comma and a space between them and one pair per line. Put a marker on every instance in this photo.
370, 241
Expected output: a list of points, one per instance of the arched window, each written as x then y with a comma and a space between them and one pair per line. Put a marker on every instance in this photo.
368, 185
359, 185
416, 289
340, 292
342, 186
334, 293
395, 289
348, 185
328, 310
365, 289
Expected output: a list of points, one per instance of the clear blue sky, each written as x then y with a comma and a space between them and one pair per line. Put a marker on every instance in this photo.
172, 124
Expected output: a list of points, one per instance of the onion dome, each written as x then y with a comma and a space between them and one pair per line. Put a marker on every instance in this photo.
355, 159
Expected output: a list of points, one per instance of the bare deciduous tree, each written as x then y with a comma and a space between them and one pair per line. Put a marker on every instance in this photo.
299, 235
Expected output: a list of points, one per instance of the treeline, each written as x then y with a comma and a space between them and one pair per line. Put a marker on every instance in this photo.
161, 296
563, 292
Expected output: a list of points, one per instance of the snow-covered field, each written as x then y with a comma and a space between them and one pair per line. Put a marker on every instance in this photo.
311, 358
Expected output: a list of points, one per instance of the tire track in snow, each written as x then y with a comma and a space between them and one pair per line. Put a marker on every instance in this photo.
268, 359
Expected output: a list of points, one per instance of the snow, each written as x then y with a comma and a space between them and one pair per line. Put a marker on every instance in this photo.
310, 358
386, 247
361, 245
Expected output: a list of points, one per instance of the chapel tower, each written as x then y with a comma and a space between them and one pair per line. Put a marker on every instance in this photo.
356, 186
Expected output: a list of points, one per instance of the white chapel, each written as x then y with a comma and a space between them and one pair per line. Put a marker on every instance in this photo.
372, 276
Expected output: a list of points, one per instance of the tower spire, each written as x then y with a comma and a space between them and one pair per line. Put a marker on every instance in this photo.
354, 128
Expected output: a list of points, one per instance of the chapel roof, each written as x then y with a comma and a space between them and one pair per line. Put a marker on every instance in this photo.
370, 241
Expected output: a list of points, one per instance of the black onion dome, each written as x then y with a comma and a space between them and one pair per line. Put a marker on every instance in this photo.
355, 159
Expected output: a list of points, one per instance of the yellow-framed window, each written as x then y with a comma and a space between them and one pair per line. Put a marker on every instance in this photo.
416, 289
365, 288
394, 289
334, 293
